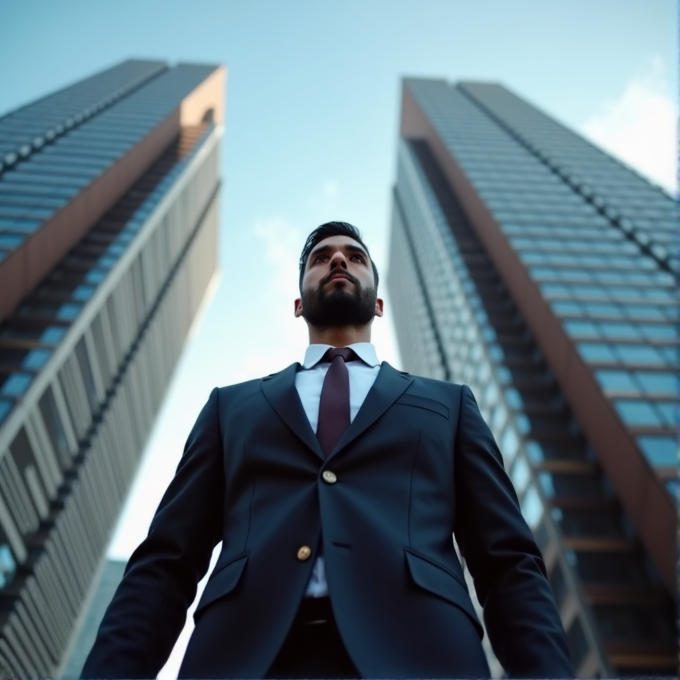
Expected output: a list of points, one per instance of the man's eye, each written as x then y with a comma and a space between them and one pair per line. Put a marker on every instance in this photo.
357, 257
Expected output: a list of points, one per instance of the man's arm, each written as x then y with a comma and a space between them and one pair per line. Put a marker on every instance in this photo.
519, 609
149, 608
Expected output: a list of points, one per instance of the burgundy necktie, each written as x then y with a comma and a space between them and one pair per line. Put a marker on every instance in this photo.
334, 402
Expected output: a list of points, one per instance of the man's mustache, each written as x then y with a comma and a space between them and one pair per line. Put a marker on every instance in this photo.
347, 275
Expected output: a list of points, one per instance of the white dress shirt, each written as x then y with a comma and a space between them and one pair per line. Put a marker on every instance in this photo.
308, 382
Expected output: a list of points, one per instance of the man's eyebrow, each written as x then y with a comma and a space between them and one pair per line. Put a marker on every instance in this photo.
347, 246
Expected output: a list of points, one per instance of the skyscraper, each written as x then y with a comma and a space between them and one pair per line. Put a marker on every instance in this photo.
534, 267
108, 244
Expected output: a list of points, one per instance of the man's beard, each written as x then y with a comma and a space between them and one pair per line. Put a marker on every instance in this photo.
338, 307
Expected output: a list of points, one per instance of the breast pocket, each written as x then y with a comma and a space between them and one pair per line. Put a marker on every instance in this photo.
424, 403
222, 582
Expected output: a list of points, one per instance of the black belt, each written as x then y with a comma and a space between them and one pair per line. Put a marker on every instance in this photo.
314, 611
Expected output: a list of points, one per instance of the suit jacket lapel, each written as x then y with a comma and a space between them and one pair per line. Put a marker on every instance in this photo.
388, 387
281, 393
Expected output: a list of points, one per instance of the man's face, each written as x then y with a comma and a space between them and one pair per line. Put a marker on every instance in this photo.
338, 286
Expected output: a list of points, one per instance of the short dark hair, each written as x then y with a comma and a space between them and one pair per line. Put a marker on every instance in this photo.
327, 230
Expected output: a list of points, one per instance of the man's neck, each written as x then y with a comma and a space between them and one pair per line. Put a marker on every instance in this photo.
339, 337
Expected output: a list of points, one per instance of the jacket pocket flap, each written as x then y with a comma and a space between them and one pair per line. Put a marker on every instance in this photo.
424, 402
441, 582
222, 582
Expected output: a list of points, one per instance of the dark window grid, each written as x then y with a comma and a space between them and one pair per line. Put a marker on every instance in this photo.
104, 135
23, 226
50, 311
551, 221
31, 335
645, 313
609, 568
585, 233
79, 150
644, 413
551, 217
592, 263
62, 291
670, 236
9, 241
535, 242
29, 201
629, 355
30, 360
112, 123
33, 212
538, 203
572, 485
634, 622
660, 450
542, 193
587, 524
37, 190
490, 186
55, 162
11, 211
8, 179
625, 331
14, 384
100, 146
640, 294
127, 117
69, 166
92, 146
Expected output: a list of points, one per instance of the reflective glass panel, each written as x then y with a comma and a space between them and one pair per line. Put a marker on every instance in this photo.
657, 383
659, 451
532, 508
639, 354
616, 381
596, 352
637, 413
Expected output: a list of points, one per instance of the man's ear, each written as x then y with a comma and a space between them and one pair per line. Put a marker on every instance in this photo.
379, 307
298, 308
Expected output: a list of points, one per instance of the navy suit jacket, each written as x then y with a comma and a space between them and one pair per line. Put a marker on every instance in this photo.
417, 464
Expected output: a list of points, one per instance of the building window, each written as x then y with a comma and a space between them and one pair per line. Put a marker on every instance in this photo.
520, 474
637, 413
616, 381
663, 384
596, 352
532, 508
659, 451
8, 566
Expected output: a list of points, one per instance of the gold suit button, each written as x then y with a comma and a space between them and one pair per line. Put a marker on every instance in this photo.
329, 477
303, 553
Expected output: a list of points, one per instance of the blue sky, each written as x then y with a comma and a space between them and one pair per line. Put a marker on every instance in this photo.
312, 117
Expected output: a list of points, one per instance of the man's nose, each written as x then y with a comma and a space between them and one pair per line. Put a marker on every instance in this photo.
338, 260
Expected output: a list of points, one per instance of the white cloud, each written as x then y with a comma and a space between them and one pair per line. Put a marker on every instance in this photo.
640, 126
326, 201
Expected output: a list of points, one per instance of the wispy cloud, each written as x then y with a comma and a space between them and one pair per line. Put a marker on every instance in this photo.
640, 125
325, 201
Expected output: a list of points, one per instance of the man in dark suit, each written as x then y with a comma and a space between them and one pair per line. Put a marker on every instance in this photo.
335, 488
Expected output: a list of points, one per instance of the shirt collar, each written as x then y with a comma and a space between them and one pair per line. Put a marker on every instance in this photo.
364, 350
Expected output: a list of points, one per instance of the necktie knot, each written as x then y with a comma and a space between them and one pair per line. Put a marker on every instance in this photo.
346, 353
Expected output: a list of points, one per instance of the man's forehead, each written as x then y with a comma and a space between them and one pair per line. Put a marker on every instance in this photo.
339, 241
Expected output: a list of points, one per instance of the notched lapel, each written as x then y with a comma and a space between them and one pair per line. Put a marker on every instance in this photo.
388, 387
279, 390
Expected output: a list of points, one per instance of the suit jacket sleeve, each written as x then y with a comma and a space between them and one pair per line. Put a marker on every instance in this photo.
149, 608
521, 618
